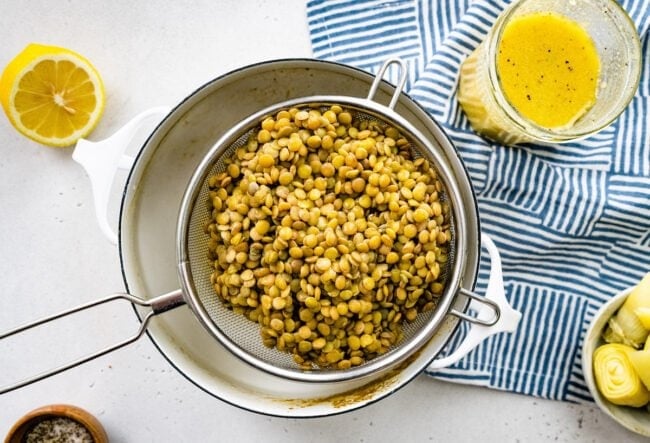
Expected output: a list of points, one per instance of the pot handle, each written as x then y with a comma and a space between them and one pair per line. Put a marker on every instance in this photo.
104, 158
494, 314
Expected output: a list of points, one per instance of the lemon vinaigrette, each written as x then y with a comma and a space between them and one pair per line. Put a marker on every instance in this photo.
548, 69
551, 71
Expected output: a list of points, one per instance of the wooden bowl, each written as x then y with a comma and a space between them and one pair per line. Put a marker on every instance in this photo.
81, 416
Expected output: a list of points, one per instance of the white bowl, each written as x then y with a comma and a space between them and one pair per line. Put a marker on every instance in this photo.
634, 419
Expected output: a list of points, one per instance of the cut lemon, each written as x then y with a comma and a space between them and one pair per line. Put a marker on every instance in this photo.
52, 95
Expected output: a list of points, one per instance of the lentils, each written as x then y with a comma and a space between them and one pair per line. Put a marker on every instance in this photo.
329, 234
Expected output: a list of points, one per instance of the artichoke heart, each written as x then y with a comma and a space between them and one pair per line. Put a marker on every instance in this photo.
643, 314
629, 325
616, 378
640, 361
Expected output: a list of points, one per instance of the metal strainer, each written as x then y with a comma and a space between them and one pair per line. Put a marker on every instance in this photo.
240, 335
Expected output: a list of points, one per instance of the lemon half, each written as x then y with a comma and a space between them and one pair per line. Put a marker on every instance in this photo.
52, 95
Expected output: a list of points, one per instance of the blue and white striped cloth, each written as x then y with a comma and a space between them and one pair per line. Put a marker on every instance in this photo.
572, 222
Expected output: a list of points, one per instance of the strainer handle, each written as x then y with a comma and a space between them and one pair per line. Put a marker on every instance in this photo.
104, 158
494, 314
158, 305
380, 76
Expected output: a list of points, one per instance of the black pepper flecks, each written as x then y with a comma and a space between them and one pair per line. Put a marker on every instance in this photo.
58, 430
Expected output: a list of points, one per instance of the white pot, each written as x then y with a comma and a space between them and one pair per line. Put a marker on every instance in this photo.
148, 221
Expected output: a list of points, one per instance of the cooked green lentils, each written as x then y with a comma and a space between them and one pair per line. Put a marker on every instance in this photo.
329, 234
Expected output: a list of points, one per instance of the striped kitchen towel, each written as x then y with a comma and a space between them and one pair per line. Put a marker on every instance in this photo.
572, 222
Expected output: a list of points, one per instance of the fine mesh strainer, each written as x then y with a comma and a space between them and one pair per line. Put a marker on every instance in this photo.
241, 336
238, 334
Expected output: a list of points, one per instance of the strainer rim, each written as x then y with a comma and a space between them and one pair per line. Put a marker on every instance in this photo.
379, 364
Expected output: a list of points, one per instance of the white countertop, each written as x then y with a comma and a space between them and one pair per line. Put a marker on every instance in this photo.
53, 255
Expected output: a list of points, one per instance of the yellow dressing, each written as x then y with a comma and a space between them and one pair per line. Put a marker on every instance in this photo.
548, 68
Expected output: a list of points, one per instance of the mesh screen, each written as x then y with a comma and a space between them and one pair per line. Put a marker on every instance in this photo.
242, 332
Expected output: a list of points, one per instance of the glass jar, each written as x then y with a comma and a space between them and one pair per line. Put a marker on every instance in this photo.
614, 35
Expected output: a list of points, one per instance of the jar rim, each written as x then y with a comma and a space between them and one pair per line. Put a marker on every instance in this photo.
541, 133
